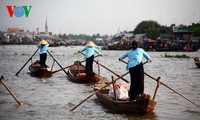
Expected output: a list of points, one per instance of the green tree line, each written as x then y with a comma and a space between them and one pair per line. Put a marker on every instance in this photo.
153, 29
82, 36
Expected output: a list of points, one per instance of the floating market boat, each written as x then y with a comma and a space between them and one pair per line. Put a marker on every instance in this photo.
142, 104
76, 73
37, 71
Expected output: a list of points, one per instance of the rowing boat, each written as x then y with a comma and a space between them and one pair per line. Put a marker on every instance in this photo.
142, 104
37, 71
197, 62
76, 73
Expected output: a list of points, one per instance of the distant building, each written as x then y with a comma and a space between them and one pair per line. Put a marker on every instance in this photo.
17, 36
13, 30
45, 35
183, 34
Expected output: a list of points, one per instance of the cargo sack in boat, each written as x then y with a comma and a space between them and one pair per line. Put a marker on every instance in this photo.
121, 91
111, 93
81, 74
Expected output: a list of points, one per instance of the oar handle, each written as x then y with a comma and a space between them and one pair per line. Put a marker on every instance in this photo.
94, 56
127, 62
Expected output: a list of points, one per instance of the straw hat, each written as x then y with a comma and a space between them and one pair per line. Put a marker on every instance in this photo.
43, 42
90, 43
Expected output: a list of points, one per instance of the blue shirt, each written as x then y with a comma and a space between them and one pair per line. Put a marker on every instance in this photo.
135, 57
43, 49
89, 51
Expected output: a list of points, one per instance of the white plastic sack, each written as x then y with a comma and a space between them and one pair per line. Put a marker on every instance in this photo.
111, 90
121, 91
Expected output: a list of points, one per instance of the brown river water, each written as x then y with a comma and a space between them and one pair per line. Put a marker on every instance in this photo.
52, 98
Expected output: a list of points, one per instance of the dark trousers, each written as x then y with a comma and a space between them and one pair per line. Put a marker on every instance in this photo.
89, 65
43, 58
137, 80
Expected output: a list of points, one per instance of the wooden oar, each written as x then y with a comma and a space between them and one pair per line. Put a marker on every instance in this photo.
127, 63
108, 69
98, 91
1, 81
169, 88
70, 66
57, 62
27, 62
111, 71
116, 73
172, 90
61, 69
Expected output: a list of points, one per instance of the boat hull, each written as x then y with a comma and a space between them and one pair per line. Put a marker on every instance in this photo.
143, 105
197, 64
84, 79
37, 71
76, 69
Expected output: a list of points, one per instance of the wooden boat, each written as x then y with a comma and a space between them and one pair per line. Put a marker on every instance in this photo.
103, 85
141, 105
37, 71
197, 62
76, 73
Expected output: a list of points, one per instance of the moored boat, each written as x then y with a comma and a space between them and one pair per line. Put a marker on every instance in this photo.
76, 73
142, 104
37, 71
197, 62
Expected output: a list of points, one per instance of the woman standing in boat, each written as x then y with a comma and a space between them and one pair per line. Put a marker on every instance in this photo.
136, 69
89, 56
43, 45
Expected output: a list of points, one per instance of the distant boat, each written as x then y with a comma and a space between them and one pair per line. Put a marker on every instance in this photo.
197, 62
54, 44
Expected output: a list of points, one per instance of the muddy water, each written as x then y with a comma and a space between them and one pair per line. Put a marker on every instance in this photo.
52, 98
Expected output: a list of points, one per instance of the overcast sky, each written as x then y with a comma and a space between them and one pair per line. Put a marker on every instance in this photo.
98, 16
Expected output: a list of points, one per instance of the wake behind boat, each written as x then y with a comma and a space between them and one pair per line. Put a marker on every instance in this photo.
77, 74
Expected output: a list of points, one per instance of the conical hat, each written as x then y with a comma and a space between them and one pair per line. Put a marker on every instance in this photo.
90, 44
43, 42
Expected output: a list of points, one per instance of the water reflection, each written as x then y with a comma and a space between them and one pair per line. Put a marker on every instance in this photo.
53, 98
